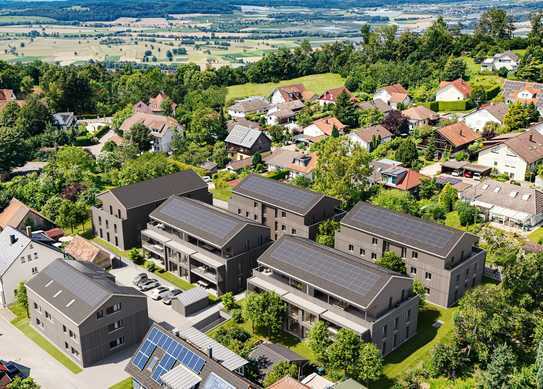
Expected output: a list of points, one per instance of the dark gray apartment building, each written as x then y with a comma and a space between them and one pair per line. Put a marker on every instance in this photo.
285, 209
204, 244
124, 211
446, 260
79, 308
321, 283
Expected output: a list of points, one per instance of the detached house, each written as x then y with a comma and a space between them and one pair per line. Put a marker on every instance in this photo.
249, 105
331, 95
244, 142
524, 93
296, 162
517, 157
20, 216
456, 90
393, 95
154, 106
420, 115
284, 113
370, 137
324, 127
507, 60
391, 174
489, 113
64, 120
162, 129
455, 137
289, 93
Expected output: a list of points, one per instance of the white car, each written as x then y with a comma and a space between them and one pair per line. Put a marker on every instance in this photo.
159, 292
207, 179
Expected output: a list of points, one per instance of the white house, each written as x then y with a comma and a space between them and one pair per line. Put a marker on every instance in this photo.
21, 258
64, 120
456, 90
516, 156
162, 129
491, 113
507, 60
365, 136
324, 127
283, 113
330, 96
393, 95
254, 104
287, 93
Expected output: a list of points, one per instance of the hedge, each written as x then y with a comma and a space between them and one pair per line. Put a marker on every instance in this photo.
433, 105
492, 92
453, 105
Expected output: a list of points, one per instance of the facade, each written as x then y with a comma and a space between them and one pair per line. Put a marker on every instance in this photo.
321, 283
244, 142
249, 105
517, 157
162, 129
455, 137
393, 95
19, 216
83, 312
324, 127
447, 261
124, 211
22, 257
524, 93
456, 90
204, 244
190, 360
284, 208
284, 113
490, 113
290, 93
370, 137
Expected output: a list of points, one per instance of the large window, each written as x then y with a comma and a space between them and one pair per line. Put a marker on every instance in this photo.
114, 308
116, 343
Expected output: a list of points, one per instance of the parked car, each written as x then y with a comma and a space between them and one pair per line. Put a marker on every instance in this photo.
172, 294
139, 278
207, 179
159, 292
148, 285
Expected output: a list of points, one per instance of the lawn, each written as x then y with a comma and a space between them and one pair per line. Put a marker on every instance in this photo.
21, 322
223, 194
536, 236
487, 81
453, 220
172, 278
124, 384
118, 252
316, 83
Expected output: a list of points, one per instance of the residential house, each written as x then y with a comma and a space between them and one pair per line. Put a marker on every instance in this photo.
324, 127
154, 106
64, 120
162, 129
22, 257
392, 175
284, 208
19, 216
455, 137
284, 113
489, 113
242, 122
393, 95
269, 354
349, 384
316, 381
94, 125
456, 90
84, 250
287, 382
249, 105
517, 156
330, 96
370, 137
165, 360
204, 244
321, 283
378, 104
244, 142
7, 95
297, 163
288, 93
420, 115
9, 371
524, 93
507, 60
507, 204
80, 308
446, 260
123, 212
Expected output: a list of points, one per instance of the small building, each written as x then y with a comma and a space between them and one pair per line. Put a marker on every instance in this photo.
287, 93
523, 92
191, 301
242, 122
393, 95
162, 129
244, 142
287, 382
489, 113
378, 105
456, 90
266, 355
84, 250
506, 60
420, 115
370, 137
297, 163
284, 113
209, 167
324, 127
330, 96
19, 216
155, 103
80, 308
249, 105
316, 381
455, 137
64, 120
391, 174
28, 168
349, 384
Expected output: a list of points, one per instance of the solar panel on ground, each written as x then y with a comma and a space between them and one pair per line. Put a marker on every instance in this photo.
215, 382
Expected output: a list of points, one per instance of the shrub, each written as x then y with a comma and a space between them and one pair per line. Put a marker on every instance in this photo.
136, 256
453, 105
237, 317
228, 301
433, 105
150, 266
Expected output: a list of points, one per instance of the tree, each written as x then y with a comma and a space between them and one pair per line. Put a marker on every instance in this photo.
345, 110
167, 106
72, 163
519, 116
33, 117
280, 370
468, 214
448, 197
396, 200
120, 116
136, 256
220, 154
392, 261
407, 153
539, 365
495, 24
446, 359
344, 350
9, 114
23, 383
370, 117
428, 188
327, 231
318, 340
420, 290
70, 214
21, 296
335, 132
228, 301
266, 311
13, 150
144, 167
500, 369
257, 159
368, 367
140, 136
206, 126
523, 280
535, 37
479, 96
454, 68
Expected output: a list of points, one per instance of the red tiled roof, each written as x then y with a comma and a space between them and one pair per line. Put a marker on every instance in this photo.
55, 233
461, 85
411, 180
397, 93
7, 95
332, 94
459, 134
288, 382
327, 124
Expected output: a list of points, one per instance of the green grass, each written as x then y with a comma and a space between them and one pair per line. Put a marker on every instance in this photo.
173, 279
21, 322
110, 247
536, 235
453, 220
223, 194
487, 81
124, 384
316, 83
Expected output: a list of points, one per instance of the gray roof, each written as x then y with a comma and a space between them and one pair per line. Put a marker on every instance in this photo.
63, 118
349, 384
408, 230
511, 89
268, 354
498, 110
221, 354
250, 104
289, 197
243, 136
214, 225
192, 296
328, 269
77, 289
158, 189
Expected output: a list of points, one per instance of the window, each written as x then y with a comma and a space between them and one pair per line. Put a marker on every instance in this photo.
294, 231
100, 314
404, 252
34, 270
414, 255
48, 316
408, 315
64, 329
255, 216
283, 214
23, 259
396, 322
72, 334
66, 345
35, 306
413, 270
110, 211
116, 241
283, 227
395, 340
428, 275
99, 220
246, 213
29, 257
373, 256
35, 255
351, 247
255, 204
374, 240
386, 246
457, 278
385, 330
384, 347
107, 223
152, 364
115, 326
101, 234
362, 252
108, 238
239, 211
115, 228
119, 213
114, 308
406, 332
403, 294
75, 353
116, 343
427, 290
389, 302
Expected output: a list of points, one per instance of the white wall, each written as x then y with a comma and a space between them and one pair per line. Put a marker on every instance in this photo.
504, 160
356, 140
277, 98
313, 130
449, 93
236, 114
477, 120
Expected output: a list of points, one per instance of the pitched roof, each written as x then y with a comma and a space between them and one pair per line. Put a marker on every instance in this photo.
349, 384
63, 118
528, 145
157, 189
250, 104
10, 251
368, 133
77, 289
378, 104
287, 382
14, 214
497, 110
158, 124
243, 122
461, 85
332, 94
411, 179
294, 92
285, 196
412, 231
243, 136
459, 134
155, 103
140, 106
7, 94
208, 223
420, 112
84, 250
511, 89
327, 124
293, 160
397, 92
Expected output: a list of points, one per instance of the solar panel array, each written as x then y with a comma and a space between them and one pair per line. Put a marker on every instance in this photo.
417, 232
174, 352
216, 382
321, 263
278, 192
200, 217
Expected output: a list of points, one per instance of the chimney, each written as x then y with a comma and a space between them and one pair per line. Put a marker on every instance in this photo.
210, 352
29, 231
461, 132
531, 138
12, 239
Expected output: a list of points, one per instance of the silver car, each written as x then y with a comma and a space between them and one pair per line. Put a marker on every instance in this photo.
172, 294
148, 285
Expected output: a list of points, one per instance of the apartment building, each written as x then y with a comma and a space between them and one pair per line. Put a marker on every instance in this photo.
285, 209
81, 310
204, 244
124, 211
446, 260
322, 283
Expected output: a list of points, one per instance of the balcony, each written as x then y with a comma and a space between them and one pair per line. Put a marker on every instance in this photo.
205, 273
154, 248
